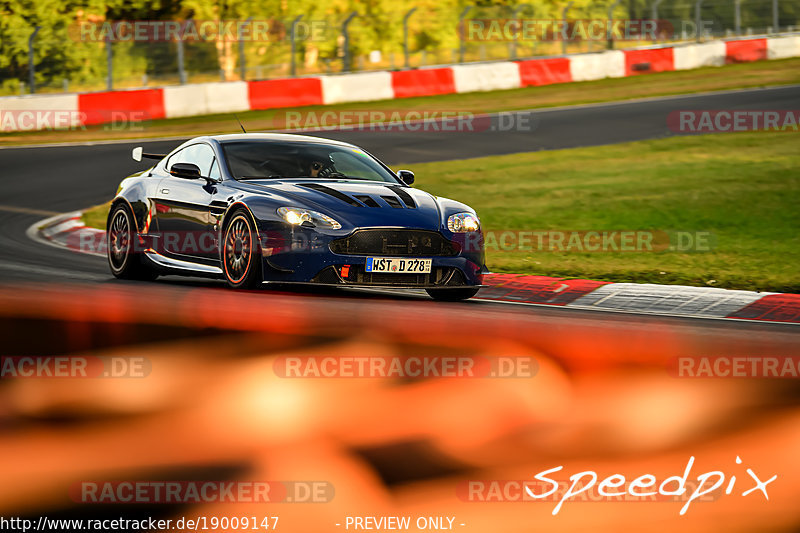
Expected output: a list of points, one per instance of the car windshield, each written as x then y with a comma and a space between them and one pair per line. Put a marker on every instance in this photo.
275, 160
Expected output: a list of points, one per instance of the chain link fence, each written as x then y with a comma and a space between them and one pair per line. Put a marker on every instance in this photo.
114, 56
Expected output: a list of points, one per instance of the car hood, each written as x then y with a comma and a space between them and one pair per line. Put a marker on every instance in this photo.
361, 204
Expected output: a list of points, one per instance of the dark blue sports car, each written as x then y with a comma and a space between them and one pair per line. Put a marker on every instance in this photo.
281, 208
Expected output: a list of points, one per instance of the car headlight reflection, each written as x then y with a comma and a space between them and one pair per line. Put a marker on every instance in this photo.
463, 223
298, 216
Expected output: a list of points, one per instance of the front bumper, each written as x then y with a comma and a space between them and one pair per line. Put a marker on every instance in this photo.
302, 255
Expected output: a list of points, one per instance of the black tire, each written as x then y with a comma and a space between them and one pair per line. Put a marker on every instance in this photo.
452, 295
240, 252
123, 259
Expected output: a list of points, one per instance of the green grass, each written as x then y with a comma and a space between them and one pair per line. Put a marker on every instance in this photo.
95, 217
743, 188
745, 75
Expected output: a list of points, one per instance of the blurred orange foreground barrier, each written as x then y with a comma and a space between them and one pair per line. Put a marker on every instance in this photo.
213, 406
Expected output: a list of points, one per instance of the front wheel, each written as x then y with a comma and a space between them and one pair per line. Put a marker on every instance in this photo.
241, 259
452, 295
123, 259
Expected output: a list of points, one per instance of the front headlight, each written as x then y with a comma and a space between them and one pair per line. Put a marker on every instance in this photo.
298, 215
463, 223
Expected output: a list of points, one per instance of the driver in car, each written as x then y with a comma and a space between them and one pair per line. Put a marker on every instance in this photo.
316, 166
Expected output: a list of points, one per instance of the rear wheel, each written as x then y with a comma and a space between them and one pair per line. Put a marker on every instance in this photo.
240, 253
124, 261
452, 295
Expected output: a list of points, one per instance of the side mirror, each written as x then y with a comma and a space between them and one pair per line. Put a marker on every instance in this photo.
406, 176
137, 153
190, 171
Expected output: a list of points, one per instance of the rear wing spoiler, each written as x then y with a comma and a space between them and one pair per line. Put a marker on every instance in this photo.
138, 155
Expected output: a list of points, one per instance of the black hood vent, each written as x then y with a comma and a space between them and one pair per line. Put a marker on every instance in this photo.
403, 199
369, 201
393, 201
407, 199
333, 192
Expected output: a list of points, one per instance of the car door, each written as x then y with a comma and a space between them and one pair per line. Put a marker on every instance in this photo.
183, 206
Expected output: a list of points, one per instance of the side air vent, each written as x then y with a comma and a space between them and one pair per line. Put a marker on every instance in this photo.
333, 192
407, 199
369, 201
218, 207
393, 202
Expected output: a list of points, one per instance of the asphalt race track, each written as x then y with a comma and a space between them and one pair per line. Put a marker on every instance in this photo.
42, 181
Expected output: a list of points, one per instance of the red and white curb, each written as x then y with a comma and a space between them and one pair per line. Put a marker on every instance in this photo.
69, 232
643, 298
31, 112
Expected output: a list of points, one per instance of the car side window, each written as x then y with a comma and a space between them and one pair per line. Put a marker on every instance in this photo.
199, 154
214, 172
177, 157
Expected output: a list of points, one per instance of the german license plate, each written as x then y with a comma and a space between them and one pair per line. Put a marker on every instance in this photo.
397, 265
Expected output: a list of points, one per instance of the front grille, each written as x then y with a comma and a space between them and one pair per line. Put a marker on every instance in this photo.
438, 277
416, 243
